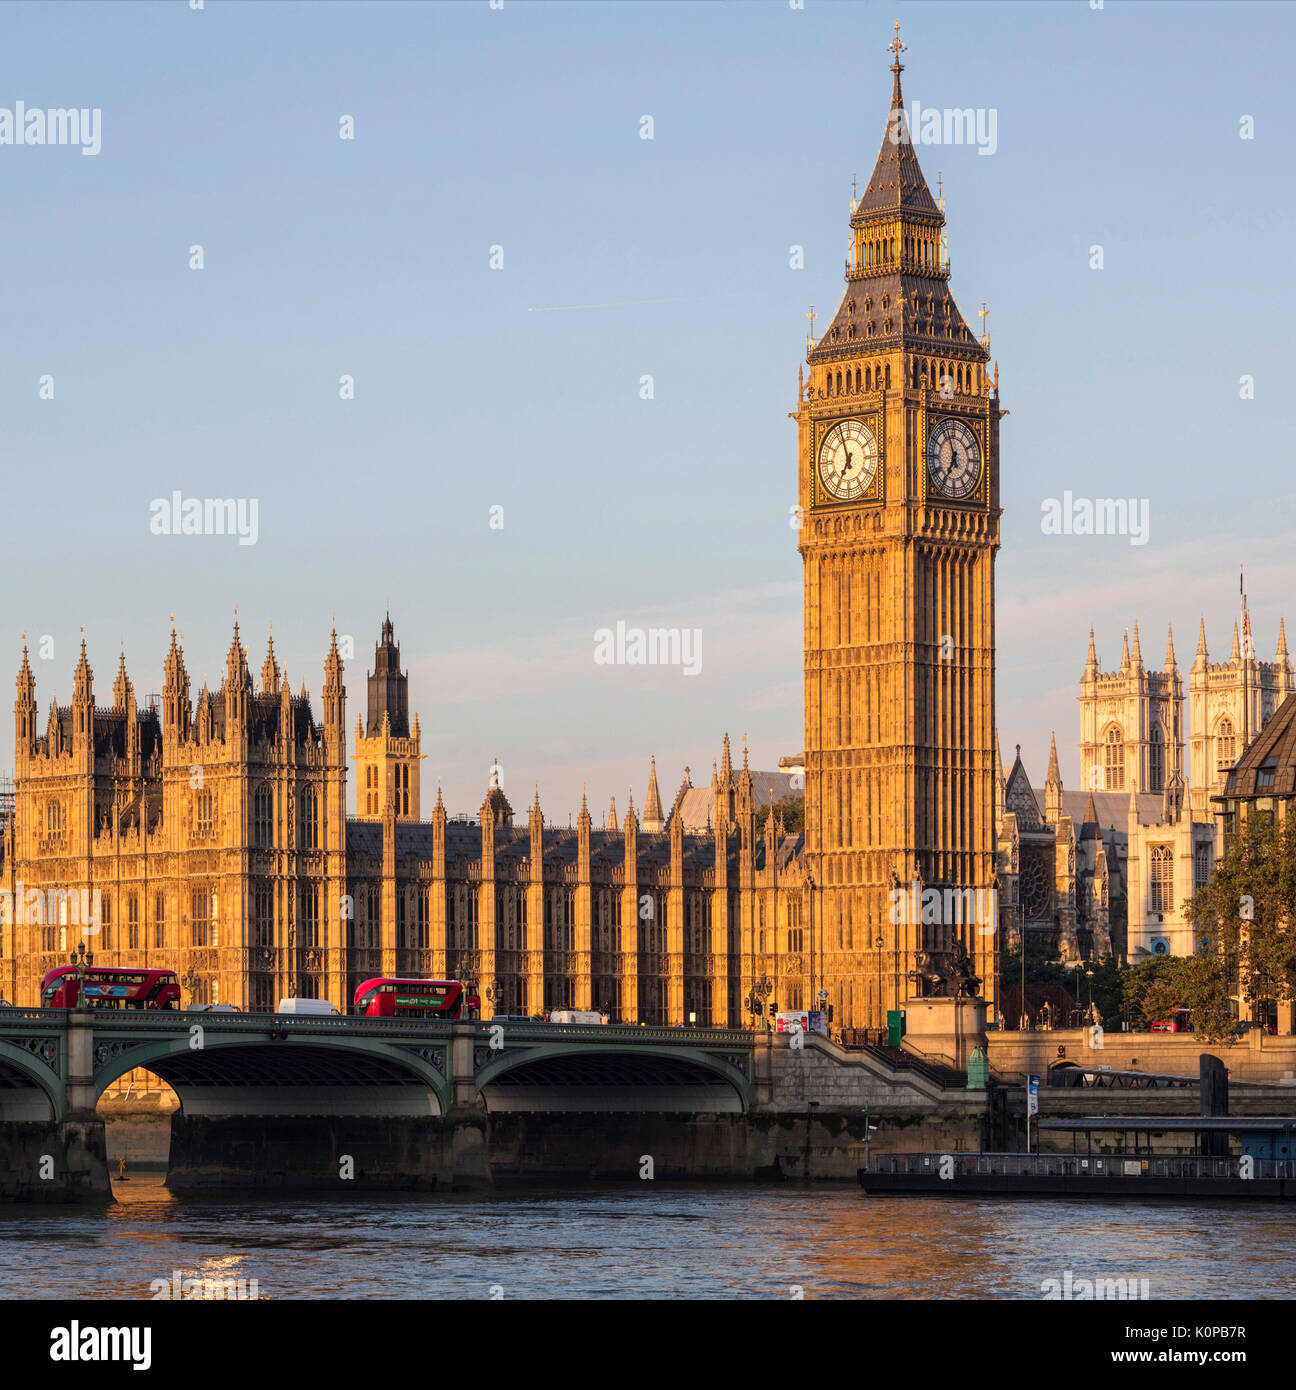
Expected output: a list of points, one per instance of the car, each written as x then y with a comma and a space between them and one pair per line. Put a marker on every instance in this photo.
211, 1009
513, 1018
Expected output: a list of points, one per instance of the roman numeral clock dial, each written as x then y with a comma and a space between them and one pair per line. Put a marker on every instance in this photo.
848, 459
953, 459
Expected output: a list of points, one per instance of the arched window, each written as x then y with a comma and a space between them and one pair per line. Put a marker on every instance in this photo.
1114, 760
263, 818
307, 831
858, 379
1225, 747
1156, 760
1162, 878
868, 378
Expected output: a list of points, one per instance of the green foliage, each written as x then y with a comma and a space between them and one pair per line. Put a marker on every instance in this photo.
1152, 990
1064, 987
1244, 918
791, 808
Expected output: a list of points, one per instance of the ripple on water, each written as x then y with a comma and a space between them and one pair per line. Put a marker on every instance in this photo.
645, 1240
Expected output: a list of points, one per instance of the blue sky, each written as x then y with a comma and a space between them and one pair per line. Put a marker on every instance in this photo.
623, 257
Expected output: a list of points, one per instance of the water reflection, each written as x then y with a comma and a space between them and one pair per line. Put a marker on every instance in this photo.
644, 1241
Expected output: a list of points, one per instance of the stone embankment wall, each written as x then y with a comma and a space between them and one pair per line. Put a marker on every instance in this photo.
43, 1161
339, 1153
1254, 1057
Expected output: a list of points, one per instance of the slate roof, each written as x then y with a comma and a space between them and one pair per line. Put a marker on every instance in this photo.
1274, 746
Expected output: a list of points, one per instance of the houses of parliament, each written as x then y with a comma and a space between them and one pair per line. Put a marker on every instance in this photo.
215, 826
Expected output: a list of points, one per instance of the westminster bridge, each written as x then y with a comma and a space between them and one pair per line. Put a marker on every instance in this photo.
325, 1102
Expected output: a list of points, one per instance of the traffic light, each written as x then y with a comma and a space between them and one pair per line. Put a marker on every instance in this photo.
757, 1007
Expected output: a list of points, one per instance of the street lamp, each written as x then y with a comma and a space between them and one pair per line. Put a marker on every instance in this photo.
82, 960
760, 992
191, 980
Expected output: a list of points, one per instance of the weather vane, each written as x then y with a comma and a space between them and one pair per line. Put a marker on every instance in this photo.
897, 47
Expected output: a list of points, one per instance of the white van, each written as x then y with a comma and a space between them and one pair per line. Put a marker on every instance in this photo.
575, 1016
306, 1006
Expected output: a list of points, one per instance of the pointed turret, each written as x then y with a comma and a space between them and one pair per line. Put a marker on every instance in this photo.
1137, 655
897, 180
388, 686
1091, 661
1053, 785
26, 681
236, 660
270, 670
897, 298
653, 820
1202, 658
334, 690
175, 697
83, 681
24, 710
1090, 812
1125, 655
1235, 652
726, 763
611, 823
122, 685
1054, 777
1170, 663
1282, 656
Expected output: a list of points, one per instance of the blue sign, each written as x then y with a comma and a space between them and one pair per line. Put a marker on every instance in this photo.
1032, 1095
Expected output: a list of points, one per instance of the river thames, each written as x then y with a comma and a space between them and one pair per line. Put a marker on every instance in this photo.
650, 1241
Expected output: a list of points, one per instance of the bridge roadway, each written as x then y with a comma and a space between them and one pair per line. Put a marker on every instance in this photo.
55, 1063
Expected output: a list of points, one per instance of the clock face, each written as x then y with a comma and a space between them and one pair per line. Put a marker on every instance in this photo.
848, 459
953, 459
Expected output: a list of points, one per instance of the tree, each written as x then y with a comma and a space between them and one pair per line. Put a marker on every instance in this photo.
792, 810
1244, 918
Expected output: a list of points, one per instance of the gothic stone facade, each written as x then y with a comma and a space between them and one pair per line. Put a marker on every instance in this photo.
1109, 867
898, 453
215, 833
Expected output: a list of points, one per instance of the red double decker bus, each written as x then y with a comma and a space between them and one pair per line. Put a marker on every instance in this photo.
448, 999
109, 987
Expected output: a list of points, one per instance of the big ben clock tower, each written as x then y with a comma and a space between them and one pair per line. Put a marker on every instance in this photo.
898, 486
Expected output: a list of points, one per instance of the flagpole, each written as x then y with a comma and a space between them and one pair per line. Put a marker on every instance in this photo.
1246, 664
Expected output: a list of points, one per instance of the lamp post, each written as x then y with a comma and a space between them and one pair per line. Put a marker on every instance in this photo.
191, 980
494, 993
760, 991
83, 960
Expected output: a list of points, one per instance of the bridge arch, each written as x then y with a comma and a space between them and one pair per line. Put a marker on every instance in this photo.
604, 1077
30, 1088
274, 1073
